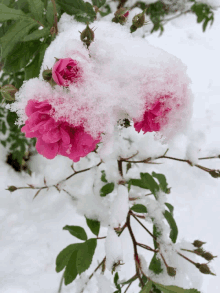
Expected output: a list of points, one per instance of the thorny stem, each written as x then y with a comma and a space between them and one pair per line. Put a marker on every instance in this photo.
104, 259
55, 16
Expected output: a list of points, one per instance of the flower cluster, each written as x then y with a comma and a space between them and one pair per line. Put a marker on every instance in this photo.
83, 91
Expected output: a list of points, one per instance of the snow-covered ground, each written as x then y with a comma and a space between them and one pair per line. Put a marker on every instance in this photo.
31, 231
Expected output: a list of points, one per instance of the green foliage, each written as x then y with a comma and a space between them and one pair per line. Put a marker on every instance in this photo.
107, 11
85, 255
93, 225
204, 13
76, 231
82, 11
116, 278
103, 177
173, 226
146, 182
174, 289
147, 287
155, 265
156, 12
75, 258
64, 256
106, 189
170, 207
162, 181
139, 208
98, 3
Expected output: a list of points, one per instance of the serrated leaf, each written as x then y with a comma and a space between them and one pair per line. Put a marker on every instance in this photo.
116, 278
93, 225
173, 226
130, 280
106, 189
103, 177
36, 8
64, 256
98, 3
147, 287
139, 208
38, 34
85, 255
7, 13
162, 181
83, 11
155, 265
170, 207
174, 289
146, 182
15, 34
20, 56
76, 231
71, 269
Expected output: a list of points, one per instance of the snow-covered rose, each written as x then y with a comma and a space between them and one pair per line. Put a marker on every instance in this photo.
66, 71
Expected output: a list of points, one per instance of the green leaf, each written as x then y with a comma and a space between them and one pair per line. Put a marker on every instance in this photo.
170, 207
36, 35
45, 3
103, 177
71, 269
116, 278
32, 70
4, 128
130, 280
93, 225
85, 255
106, 189
76, 231
7, 13
64, 256
98, 3
139, 208
107, 9
173, 226
147, 287
174, 289
36, 8
146, 182
162, 181
83, 11
15, 34
155, 265
18, 59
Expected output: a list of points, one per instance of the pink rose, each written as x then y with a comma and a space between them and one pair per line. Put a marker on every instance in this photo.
126, 14
151, 119
56, 138
66, 71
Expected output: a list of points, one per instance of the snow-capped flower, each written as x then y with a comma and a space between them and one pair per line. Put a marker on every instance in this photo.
153, 119
66, 71
56, 138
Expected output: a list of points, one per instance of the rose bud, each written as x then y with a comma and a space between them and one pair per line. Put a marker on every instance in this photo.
12, 188
198, 243
208, 256
171, 271
87, 36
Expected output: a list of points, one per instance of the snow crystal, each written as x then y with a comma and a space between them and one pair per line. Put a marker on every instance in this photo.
113, 248
104, 284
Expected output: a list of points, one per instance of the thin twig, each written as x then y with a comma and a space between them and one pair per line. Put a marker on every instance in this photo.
128, 287
55, 16
144, 227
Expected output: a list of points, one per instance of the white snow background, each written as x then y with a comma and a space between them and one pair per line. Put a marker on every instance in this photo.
31, 230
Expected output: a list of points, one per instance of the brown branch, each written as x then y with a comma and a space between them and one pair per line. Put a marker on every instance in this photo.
136, 259
144, 227
147, 247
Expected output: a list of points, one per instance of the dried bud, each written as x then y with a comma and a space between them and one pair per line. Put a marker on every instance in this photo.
208, 256
171, 271
198, 243
139, 20
204, 269
12, 188
87, 36
47, 74
8, 92
215, 173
